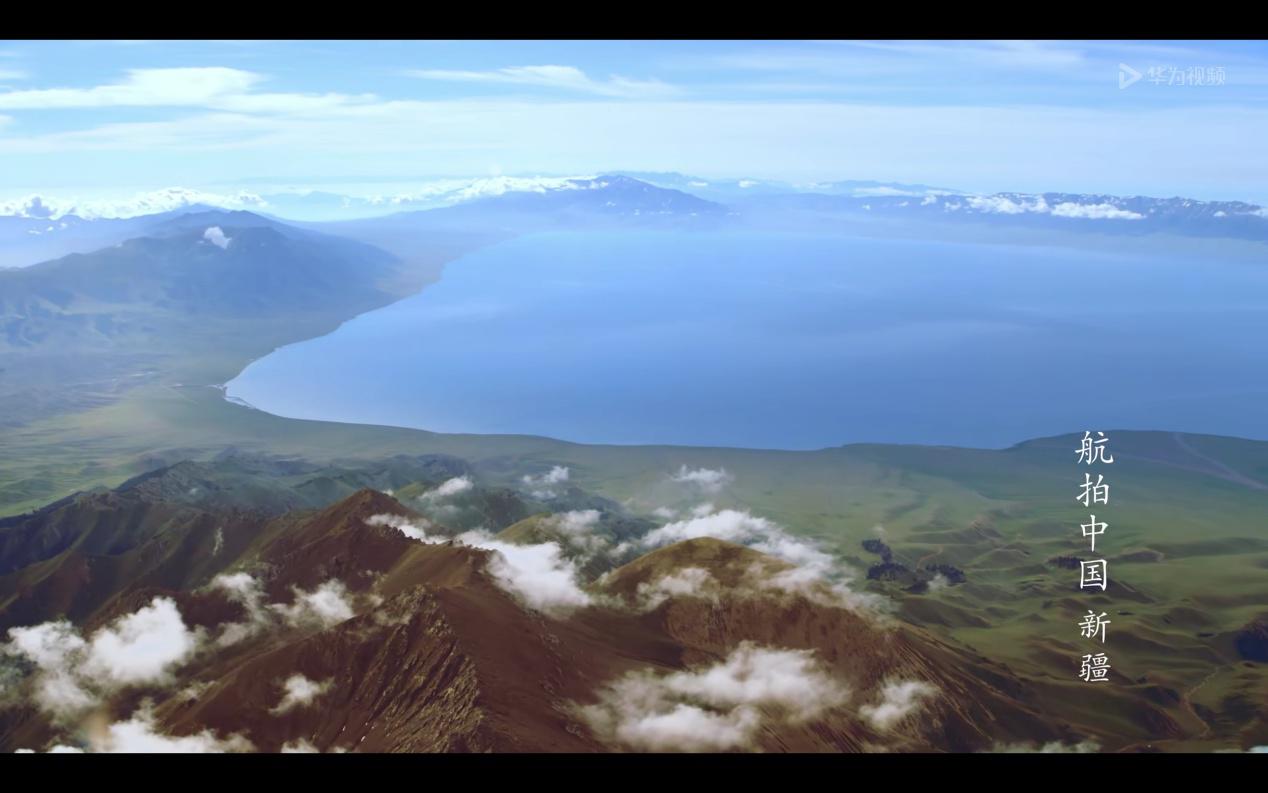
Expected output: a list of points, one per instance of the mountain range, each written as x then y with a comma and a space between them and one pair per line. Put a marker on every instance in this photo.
32, 232
430, 602
214, 616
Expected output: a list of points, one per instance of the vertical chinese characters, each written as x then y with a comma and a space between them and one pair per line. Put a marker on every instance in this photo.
1094, 573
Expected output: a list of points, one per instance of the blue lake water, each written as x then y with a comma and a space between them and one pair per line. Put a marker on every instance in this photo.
793, 341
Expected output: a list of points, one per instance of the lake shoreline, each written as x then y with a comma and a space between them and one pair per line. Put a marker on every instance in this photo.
479, 309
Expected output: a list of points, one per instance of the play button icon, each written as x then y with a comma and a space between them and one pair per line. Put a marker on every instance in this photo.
1127, 76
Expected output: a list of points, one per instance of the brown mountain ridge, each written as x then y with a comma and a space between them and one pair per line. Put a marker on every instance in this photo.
422, 647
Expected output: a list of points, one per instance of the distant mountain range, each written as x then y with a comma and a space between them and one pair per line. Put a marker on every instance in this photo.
730, 189
33, 230
1062, 211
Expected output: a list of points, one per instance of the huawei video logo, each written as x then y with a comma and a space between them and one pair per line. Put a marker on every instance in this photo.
1175, 76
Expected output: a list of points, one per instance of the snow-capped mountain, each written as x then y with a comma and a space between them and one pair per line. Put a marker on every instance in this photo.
52, 207
37, 227
1068, 211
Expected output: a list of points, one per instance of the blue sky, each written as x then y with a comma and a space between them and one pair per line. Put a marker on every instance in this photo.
97, 117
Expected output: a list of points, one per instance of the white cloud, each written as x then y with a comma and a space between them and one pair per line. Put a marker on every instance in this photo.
245, 590
300, 746
216, 87
814, 573
1020, 205
73, 674
541, 487
31, 206
147, 203
707, 479
56, 649
323, 607
139, 735
141, 88
415, 529
142, 647
884, 191
216, 237
540, 575
898, 700
731, 525
1053, 747
556, 475
684, 582
1009, 55
579, 521
560, 77
445, 192
578, 530
447, 488
299, 691
716, 707
1002, 205
1094, 212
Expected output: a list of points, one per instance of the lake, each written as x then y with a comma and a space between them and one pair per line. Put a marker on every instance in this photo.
793, 341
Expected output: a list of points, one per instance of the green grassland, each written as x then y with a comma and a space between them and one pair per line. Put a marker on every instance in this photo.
1187, 543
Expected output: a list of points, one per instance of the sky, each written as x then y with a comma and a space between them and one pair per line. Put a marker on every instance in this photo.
94, 118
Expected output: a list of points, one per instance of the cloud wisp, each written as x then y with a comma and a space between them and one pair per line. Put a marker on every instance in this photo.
542, 487
139, 734
813, 572
325, 606
707, 479
566, 78
898, 700
298, 692
214, 87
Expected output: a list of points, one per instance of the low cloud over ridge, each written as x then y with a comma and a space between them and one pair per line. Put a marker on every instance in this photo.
717, 707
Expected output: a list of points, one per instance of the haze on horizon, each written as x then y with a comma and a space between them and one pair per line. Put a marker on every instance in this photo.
87, 120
